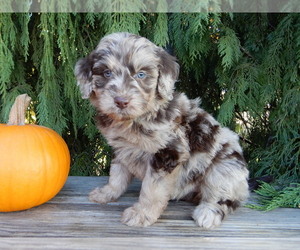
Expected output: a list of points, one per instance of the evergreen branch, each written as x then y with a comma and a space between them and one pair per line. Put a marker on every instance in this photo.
271, 199
247, 123
247, 53
247, 141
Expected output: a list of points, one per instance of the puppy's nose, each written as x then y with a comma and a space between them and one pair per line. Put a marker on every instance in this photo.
121, 102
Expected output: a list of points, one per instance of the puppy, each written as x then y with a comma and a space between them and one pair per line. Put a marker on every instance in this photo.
177, 149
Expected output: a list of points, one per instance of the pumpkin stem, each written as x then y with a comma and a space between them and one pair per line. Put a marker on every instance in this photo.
18, 110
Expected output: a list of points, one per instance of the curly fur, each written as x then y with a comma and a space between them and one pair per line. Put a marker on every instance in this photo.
177, 149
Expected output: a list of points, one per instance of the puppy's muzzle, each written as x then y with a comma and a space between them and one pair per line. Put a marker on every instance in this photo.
121, 102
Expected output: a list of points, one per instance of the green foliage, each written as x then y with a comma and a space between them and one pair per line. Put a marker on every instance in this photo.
270, 198
229, 48
245, 67
190, 37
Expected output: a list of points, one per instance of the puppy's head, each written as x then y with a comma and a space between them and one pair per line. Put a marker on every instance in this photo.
126, 75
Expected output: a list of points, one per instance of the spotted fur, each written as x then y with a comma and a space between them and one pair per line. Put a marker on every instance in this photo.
178, 150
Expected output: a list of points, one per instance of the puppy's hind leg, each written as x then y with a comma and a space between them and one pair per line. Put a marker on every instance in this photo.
223, 190
119, 180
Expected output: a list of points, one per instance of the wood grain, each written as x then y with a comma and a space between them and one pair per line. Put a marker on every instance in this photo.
71, 221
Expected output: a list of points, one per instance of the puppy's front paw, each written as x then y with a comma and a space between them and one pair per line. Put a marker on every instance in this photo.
136, 217
100, 195
208, 217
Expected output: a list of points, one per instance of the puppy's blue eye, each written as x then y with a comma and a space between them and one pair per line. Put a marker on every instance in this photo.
107, 73
141, 75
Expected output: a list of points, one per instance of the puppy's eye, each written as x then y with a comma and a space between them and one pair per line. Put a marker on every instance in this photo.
140, 75
107, 73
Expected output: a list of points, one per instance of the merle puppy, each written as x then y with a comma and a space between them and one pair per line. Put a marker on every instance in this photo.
177, 149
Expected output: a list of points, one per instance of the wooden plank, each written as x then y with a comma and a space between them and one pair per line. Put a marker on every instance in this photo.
115, 243
71, 221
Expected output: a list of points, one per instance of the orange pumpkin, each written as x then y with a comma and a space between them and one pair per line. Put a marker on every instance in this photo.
34, 163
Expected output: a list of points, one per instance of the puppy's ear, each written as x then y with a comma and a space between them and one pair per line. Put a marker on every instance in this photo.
83, 73
168, 74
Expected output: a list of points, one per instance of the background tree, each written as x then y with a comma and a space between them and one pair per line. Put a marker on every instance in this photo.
245, 67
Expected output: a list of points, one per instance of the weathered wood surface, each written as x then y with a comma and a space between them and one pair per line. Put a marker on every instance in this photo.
71, 221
